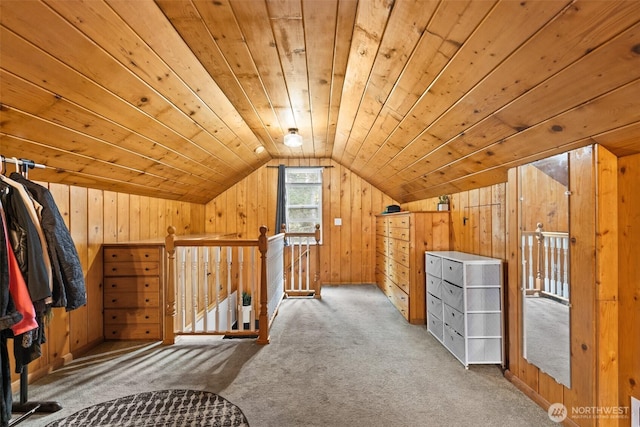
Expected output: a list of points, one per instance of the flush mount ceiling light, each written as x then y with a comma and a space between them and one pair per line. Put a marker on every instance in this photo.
292, 139
259, 149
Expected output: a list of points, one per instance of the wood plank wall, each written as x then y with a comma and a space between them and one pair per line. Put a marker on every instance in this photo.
478, 219
605, 363
95, 217
348, 251
629, 290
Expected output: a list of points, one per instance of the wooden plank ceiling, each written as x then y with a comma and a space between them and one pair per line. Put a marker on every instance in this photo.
170, 98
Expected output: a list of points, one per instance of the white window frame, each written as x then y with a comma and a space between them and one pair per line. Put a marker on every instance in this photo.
319, 185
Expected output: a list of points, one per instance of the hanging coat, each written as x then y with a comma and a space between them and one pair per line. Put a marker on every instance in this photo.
68, 279
26, 245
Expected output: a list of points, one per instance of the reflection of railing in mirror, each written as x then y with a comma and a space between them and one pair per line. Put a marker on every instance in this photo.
545, 263
545, 278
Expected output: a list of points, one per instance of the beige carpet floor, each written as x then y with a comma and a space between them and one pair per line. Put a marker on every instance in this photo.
348, 359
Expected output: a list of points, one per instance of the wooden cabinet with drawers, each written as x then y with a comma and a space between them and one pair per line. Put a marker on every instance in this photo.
133, 285
464, 305
401, 240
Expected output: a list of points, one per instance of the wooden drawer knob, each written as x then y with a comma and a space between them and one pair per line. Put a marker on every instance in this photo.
146, 285
114, 300
146, 300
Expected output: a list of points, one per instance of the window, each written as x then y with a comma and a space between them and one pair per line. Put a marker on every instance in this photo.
303, 187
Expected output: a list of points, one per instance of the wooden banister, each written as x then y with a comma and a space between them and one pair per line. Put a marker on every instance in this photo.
170, 280
263, 320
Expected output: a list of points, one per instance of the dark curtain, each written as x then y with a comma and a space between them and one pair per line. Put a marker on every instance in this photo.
281, 216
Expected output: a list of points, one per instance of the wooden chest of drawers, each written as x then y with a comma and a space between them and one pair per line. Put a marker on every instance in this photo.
133, 291
401, 240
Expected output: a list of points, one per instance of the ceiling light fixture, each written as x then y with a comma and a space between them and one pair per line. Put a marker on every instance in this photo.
293, 139
259, 149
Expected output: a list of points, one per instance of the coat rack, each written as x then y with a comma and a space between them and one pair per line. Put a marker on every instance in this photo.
25, 407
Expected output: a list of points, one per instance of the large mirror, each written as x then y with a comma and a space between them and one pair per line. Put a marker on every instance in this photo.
545, 279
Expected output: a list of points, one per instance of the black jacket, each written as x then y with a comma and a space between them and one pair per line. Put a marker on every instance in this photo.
68, 279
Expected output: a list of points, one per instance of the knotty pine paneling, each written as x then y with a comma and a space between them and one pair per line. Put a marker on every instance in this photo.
95, 217
477, 219
629, 274
348, 251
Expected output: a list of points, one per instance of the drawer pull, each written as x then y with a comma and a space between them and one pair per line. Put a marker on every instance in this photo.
113, 285
146, 300
146, 255
146, 269
114, 255
114, 317
114, 300
146, 285
147, 332
146, 317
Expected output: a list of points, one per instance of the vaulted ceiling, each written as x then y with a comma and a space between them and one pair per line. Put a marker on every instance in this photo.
171, 98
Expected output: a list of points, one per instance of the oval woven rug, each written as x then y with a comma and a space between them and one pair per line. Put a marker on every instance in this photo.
159, 408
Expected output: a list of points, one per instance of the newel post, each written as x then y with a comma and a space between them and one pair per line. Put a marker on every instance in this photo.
316, 278
263, 320
170, 287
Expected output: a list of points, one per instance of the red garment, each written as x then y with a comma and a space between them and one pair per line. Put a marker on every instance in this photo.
19, 291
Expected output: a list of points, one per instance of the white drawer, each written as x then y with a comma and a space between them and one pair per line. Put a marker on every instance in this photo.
484, 324
485, 350
452, 271
434, 306
434, 325
483, 299
433, 265
452, 295
434, 286
453, 318
483, 275
454, 342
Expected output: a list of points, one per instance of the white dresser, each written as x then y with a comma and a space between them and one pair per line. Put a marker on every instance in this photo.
464, 305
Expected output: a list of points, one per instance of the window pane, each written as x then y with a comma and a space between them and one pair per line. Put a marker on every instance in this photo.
304, 176
310, 214
302, 227
303, 195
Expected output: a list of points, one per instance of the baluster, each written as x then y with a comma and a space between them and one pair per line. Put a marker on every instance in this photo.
240, 310
299, 264
308, 263
552, 268
194, 288
181, 288
530, 245
229, 305
565, 248
218, 285
547, 266
254, 288
292, 282
524, 262
205, 267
